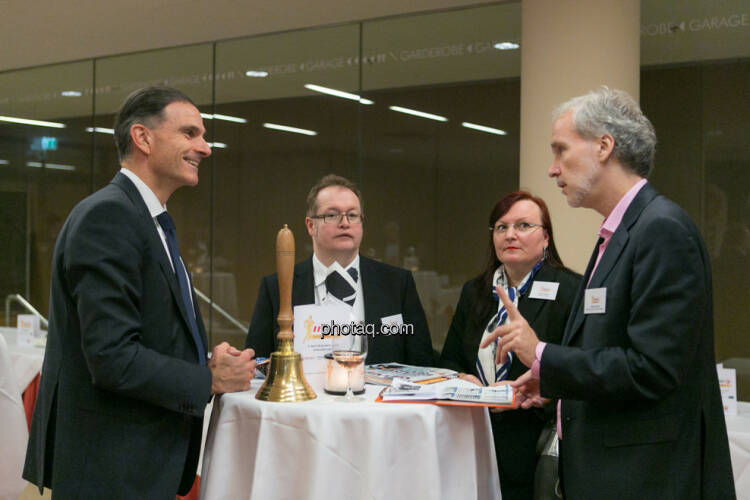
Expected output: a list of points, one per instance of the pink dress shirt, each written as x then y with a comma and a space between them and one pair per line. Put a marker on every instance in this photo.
607, 229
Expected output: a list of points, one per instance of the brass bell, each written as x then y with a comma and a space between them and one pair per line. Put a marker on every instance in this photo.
286, 380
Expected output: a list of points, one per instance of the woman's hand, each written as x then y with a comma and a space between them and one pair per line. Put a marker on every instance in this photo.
500, 410
470, 378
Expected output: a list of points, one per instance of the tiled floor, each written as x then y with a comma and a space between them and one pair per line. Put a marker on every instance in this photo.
32, 493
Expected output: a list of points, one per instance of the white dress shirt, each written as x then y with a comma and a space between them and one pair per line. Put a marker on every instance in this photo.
155, 208
320, 273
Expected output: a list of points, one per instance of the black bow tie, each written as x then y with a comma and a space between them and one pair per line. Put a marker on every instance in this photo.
339, 287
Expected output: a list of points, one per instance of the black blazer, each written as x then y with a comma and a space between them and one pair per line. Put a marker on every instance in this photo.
121, 399
515, 431
387, 290
640, 397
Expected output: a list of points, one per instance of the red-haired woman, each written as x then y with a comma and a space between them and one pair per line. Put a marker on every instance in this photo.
524, 261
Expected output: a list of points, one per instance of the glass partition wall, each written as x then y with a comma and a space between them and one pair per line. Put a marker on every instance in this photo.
695, 87
283, 110
347, 92
45, 169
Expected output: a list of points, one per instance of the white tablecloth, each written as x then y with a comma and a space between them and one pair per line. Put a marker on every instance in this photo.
13, 431
738, 428
330, 450
25, 360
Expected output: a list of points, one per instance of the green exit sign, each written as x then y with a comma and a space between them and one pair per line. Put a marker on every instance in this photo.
49, 143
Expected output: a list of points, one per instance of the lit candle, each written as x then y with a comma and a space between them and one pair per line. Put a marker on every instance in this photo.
336, 378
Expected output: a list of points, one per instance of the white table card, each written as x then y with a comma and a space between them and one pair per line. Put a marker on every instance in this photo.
28, 329
310, 322
728, 386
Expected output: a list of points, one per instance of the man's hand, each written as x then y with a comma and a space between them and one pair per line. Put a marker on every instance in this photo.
231, 369
527, 387
516, 335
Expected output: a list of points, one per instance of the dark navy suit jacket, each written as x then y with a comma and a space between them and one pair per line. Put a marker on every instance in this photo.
122, 394
641, 410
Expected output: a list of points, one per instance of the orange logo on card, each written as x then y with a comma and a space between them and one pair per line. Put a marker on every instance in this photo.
312, 331
595, 299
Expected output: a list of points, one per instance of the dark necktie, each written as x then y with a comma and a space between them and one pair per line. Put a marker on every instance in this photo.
340, 288
166, 223
592, 262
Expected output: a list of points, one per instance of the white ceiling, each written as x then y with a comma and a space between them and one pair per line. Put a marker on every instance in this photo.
446, 46
36, 32
426, 49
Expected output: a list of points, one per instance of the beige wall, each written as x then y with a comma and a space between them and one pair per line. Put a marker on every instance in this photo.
568, 48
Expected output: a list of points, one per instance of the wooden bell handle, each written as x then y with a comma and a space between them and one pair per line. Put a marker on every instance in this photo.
285, 273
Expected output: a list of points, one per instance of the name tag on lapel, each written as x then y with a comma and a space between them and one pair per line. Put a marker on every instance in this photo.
393, 320
546, 290
595, 301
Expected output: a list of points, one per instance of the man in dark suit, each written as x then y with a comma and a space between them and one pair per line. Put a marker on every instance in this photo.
126, 379
641, 414
378, 293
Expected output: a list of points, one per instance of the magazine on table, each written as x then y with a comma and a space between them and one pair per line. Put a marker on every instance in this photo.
384, 373
449, 392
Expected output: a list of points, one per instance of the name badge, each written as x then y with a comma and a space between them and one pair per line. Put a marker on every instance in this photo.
546, 290
595, 301
394, 320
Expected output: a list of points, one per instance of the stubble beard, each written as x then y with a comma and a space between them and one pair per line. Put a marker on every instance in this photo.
578, 197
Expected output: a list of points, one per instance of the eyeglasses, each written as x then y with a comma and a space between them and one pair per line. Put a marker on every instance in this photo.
351, 217
519, 227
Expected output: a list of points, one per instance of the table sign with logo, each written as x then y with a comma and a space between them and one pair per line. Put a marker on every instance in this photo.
728, 387
310, 324
28, 329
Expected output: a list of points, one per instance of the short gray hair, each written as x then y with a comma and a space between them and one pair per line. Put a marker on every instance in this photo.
614, 112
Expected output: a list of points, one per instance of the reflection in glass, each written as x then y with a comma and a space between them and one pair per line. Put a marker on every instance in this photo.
700, 112
45, 169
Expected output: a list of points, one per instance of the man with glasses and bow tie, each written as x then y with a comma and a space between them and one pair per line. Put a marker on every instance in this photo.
336, 273
126, 379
